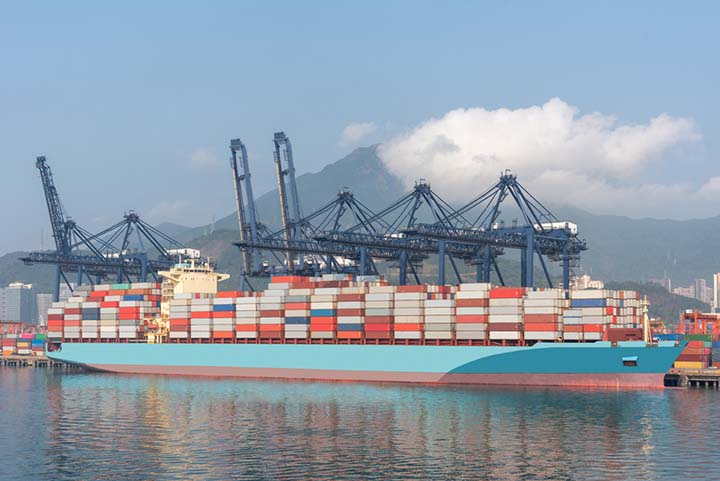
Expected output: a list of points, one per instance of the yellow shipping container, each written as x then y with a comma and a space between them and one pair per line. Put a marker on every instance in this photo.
689, 364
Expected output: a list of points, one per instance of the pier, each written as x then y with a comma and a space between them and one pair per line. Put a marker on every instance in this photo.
694, 378
34, 361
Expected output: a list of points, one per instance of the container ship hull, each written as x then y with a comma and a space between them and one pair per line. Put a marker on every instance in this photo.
600, 364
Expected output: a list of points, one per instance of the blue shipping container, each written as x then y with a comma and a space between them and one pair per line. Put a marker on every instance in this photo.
578, 303
323, 312
133, 297
350, 327
297, 320
224, 308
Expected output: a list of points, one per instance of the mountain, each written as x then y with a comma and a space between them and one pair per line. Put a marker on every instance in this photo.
42, 277
362, 172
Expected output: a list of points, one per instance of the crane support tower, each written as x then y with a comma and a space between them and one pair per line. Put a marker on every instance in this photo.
247, 216
289, 205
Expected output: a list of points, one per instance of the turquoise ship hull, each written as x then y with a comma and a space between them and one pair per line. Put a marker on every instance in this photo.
628, 364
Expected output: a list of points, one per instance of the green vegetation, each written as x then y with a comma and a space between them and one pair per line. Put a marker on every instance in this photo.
663, 304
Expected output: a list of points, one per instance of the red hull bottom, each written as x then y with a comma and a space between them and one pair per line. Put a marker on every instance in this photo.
602, 380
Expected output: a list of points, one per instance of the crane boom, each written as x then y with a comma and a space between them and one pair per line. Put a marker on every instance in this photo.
236, 146
61, 234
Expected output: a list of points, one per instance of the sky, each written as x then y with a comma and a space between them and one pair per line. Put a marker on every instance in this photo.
610, 106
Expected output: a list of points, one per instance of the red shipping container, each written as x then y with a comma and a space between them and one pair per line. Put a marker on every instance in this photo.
223, 314
55, 317
297, 306
351, 312
593, 327
201, 315
287, 279
507, 292
351, 297
271, 327
414, 288
323, 319
109, 304
572, 328
378, 327
72, 310
272, 313
540, 327
467, 319
408, 326
379, 319
322, 327
271, 334
378, 335
179, 328
129, 317
472, 302
223, 334
349, 335
505, 326
72, 323
52, 324
247, 327
228, 294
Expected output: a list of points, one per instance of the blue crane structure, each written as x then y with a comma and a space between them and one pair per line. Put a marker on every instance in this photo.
541, 233
289, 205
109, 253
247, 215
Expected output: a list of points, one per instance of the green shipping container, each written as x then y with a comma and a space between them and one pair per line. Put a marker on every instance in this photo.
698, 337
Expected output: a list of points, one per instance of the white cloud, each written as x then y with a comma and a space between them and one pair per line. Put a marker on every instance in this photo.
355, 132
202, 157
591, 161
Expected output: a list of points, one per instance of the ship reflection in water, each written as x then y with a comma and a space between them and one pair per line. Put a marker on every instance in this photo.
99, 426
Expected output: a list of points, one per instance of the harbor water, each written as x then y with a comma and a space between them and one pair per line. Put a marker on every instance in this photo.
65, 425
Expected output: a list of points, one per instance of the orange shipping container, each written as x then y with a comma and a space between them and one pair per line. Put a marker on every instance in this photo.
507, 292
349, 335
473, 319
408, 326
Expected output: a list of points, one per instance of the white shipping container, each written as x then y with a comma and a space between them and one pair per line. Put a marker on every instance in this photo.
408, 335
470, 326
272, 320
323, 305
322, 334
543, 310
408, 311
506, 302
439, 311
351, 319
331, 291
471, 335
410, 303
542, 335
297, 313
247, 314
378, 312
507, 335
246, 334
439, 319
439, 327
471, 311
439, 303
382, 289
223, 301
379, 296
245, 300
409, 296
514, 310
472, 295
514, 318
296, 334
272, 307
432, 335
475, 286
274, 293
350, 305
589, 294
300, 292
323, 298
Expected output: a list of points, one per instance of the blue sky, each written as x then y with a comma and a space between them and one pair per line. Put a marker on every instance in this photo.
133, 103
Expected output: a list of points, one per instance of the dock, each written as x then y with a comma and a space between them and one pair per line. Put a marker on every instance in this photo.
694, 378
16, 360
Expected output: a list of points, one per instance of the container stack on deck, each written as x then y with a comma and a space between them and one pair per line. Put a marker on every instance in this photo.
340, 308
108, 312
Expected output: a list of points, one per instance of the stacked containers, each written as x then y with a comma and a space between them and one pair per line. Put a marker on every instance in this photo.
9, 344
505, 314
201, 314
439, 319
272, 313
297, 313
24, 344
180, 316
543, 314
38, 344
109, 316
695, 355
323, 313
247, 317
351, 313
472, 311
223, 317
55, 320
90, 324
379, 314
409, 310
72, 318
593, 307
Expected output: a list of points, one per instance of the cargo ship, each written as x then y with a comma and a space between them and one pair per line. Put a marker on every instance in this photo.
344, 328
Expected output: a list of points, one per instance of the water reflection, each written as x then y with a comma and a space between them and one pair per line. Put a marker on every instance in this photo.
95, 426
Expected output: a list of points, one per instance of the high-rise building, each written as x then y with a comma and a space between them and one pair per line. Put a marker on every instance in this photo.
701, 290
716, 291
43, 304
665, 282
18, 303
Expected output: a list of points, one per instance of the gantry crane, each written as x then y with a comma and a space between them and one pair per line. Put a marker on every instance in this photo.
117, 252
